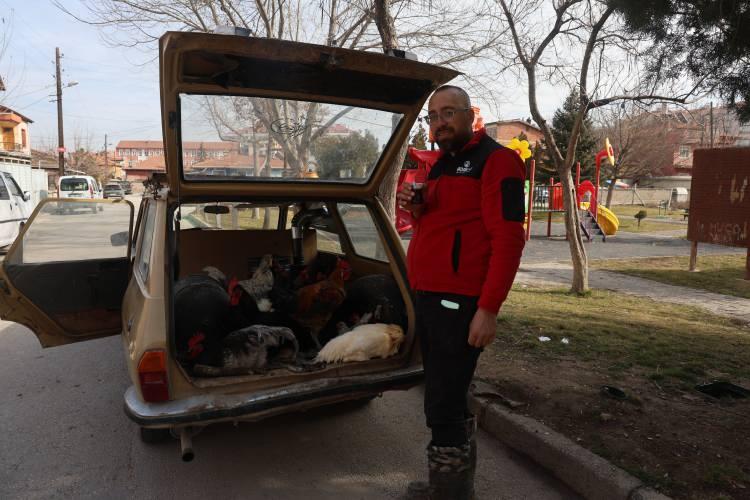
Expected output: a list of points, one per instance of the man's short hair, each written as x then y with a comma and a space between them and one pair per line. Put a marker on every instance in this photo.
461, 92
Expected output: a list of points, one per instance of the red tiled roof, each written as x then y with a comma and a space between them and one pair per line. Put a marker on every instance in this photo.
197, 145
153, 163
238, 161
4, 109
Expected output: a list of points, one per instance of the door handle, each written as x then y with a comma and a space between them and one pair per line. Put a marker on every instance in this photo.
130, 324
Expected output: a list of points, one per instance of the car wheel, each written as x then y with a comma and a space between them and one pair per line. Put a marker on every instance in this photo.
154, 436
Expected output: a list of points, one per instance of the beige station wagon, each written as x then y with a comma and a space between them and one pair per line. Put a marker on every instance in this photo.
308, 133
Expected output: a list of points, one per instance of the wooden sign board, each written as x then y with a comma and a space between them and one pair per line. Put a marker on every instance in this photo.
720, 197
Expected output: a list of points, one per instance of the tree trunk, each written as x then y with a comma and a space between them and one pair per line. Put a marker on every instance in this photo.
610, 191
578, 256
387, 190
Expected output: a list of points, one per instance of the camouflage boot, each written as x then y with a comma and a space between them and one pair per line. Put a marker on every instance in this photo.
451, 472
471, 435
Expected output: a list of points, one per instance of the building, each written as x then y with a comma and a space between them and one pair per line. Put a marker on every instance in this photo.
15, 146
15, 154
505, 130
682, 131
131, 152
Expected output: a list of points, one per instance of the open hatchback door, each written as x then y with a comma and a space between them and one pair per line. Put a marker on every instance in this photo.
65, 275
296, 119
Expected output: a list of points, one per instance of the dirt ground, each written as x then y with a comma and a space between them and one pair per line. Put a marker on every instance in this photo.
684, 443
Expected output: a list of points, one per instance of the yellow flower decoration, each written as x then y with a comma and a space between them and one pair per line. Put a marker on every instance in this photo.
520, 147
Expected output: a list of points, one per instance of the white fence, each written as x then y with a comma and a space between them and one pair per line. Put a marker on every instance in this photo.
33, 180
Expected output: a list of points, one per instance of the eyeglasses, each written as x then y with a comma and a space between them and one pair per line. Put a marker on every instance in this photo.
446, 115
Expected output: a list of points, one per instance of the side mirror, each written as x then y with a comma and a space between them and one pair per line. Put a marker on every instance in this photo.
119, 239
26, 196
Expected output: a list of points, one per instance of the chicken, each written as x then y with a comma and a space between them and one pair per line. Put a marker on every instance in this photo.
251, 350
260, 284
316, 303
377, 340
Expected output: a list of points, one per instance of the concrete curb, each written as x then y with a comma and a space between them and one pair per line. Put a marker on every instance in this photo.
585, 472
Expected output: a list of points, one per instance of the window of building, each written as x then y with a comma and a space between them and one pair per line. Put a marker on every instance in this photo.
684, 151
23, 138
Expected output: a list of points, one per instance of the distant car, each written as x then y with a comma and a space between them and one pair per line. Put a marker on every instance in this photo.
114, 190
126, 187
15, 208
78, 187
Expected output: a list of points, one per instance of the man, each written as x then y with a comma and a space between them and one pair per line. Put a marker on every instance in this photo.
463, 256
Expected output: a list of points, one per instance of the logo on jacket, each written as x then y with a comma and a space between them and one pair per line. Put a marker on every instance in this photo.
465, 168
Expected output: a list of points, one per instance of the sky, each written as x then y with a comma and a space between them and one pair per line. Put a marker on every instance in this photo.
117, 90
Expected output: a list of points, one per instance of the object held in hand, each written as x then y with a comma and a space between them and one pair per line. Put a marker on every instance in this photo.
418, 188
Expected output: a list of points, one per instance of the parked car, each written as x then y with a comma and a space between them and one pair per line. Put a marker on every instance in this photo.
127, 187
167, 282
15, 208
78, 187
114, 190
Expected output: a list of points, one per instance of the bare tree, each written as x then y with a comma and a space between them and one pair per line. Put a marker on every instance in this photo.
638, 138
575, 43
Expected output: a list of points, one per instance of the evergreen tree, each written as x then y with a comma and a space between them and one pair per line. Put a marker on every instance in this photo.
562, 125
705, 40
418, 141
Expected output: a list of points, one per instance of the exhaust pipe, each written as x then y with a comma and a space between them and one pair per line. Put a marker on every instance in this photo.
186, 444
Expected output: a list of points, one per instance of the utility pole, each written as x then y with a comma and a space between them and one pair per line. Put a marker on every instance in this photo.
60, 136
106, 157
711, 123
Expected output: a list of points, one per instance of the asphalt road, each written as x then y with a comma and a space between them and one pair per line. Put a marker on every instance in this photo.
64, 435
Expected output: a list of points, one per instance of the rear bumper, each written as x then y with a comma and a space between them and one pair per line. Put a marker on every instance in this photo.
202, 410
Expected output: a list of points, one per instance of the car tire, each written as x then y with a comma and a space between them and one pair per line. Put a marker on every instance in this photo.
154, 436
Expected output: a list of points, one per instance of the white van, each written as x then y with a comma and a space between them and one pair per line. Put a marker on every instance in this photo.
82, 187
15, 208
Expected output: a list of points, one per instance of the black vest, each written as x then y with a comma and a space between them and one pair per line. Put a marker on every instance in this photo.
468, 163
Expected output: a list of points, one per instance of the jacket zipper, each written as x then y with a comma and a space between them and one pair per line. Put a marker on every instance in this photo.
456, 252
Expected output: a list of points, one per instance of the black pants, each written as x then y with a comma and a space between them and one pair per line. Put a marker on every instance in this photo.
449, 362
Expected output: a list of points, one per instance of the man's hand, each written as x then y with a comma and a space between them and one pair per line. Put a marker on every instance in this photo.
404, 197
482, 329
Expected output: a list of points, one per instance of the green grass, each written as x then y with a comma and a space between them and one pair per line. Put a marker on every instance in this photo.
668, 343
716, 273
653, 212
627, 224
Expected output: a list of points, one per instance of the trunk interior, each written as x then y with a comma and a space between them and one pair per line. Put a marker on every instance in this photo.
285, 290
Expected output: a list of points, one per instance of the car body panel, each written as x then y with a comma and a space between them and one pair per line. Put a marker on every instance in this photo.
206, 64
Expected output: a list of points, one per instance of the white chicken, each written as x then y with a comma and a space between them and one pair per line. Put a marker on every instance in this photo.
377, 340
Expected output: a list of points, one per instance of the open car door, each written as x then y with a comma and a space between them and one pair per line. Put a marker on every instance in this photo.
66, 274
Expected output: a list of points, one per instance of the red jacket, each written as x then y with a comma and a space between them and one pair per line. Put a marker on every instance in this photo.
470, 237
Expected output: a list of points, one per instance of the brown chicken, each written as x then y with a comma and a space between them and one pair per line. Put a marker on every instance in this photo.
316, 303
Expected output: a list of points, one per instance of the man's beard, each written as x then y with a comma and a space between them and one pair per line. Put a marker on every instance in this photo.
454, 144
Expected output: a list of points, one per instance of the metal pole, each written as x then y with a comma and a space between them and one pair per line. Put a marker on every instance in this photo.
531, 200
60, 135
693, 256
106, 159
711, 122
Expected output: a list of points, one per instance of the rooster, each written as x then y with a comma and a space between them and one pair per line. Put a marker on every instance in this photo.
316, 303
260, 283
253, 349
376, 340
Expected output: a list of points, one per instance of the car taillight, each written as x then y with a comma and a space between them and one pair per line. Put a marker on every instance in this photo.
152, 373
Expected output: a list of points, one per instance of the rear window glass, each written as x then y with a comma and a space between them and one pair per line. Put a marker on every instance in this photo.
74, 184
251, 139
228, 216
